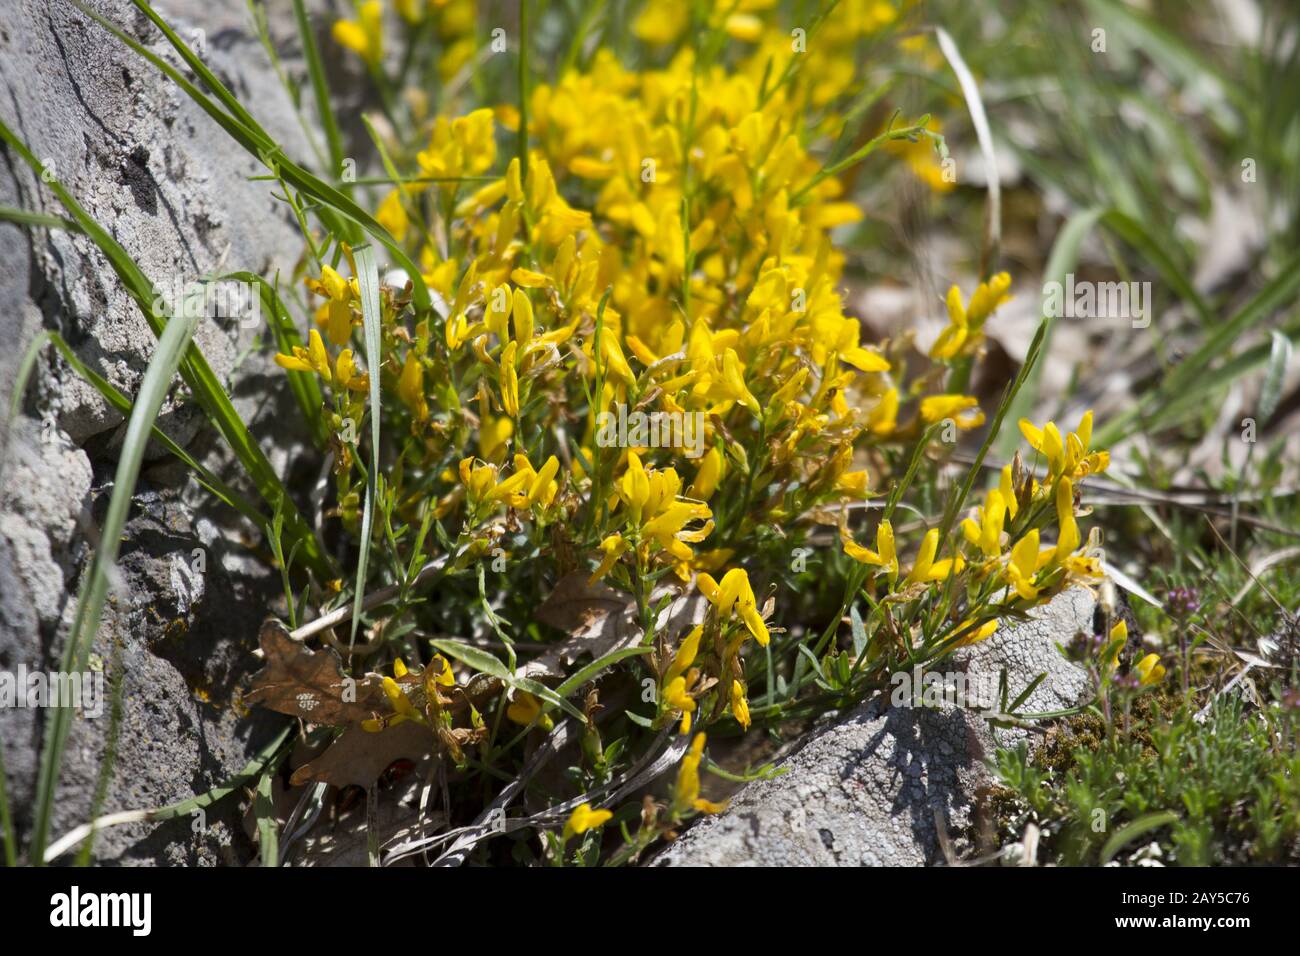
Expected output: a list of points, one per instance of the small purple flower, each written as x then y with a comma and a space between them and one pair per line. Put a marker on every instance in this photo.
1182, 602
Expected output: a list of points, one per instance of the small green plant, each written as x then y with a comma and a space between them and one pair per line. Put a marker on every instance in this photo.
1214, 788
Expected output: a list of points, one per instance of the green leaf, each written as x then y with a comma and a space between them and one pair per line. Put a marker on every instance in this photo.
157, 380
206, 478
1278, 359
1126, 834
1188, 381
542, 692
368, 284
6, 820
319, 86
268, 833
585, 674
979, 120
255, 140
474, 657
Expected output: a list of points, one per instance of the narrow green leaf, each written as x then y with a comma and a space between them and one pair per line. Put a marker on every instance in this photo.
319, 86
255, 141
1188, 379
475, 657
6, 820
368, 284
24, 217
268, 832
542, 692
1278, 359
1130, 832
585, 674
153, 390
979, 120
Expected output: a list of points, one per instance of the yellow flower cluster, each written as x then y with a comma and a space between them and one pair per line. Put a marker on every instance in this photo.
659, 243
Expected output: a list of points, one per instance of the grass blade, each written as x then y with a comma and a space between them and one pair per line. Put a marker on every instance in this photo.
1188, 380
264, 758
1130, 832
257, 143
268, 835
157, 381
206, 478
368, 284
6, 820
198, 375
585, 674
320, 88
979, 119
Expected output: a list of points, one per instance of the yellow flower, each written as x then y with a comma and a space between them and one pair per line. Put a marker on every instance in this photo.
739, 705
542, 485
708, 475
612, 548
583, 818
965, 324
735, 383
968, 634
735, 592
508, 380
493, 436
403, 709
1115, 643
465, 146
935, 408
677, 698
524, 709
986, 534
335, 316
1150, 670
685, 655
662, 22
884, 556
410, 387
346, 374
926, 568
529, 279
1023, 565
391, 214
1067, 537
1068, 456
439, 671
883, 419
852, 483
313, 358
686, 789
363, 36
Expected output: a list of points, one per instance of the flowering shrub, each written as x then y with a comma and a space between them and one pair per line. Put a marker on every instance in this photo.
660, 244
584, 428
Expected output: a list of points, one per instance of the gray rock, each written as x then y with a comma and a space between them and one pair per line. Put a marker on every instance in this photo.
152, 169
888, 784
155, 171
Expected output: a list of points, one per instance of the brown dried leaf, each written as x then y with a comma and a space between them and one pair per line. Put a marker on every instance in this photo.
360, 756
311, 684
578, 607
601, 619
